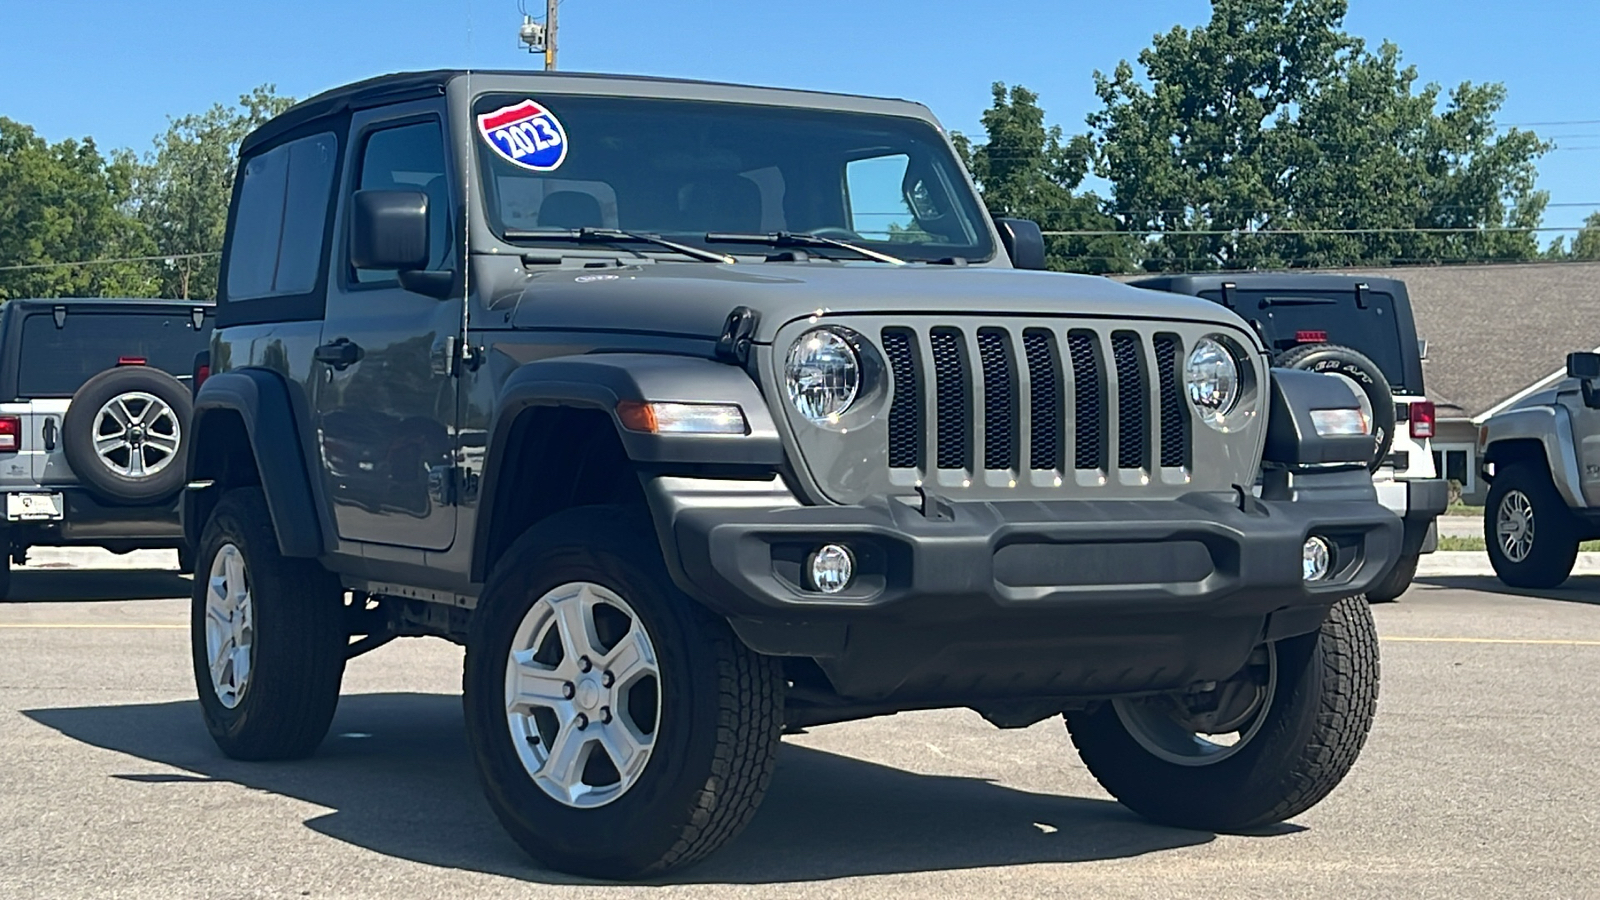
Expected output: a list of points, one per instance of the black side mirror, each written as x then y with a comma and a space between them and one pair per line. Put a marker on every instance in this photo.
1023, 243
1586, 368
389, 230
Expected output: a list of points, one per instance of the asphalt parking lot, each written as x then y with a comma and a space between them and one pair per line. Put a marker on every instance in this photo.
1481, 779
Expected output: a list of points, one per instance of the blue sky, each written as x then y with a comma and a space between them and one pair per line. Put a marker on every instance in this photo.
116, 70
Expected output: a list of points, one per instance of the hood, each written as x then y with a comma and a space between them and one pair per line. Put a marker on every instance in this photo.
693, 300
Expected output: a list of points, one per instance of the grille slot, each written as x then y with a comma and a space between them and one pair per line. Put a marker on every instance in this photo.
1133, 408
999, 410
1044, 399
950, 387
1174, 414
905, 412
1088, 412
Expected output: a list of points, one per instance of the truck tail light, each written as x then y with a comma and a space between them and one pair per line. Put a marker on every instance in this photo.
1422, 412
10, 434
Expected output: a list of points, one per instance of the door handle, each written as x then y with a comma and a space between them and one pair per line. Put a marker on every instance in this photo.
340, 354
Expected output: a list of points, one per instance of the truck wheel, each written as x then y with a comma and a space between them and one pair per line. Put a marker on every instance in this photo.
1398, 581
1531, 537
619, 728
1359, 369
123, 434
1265, 746
267, 634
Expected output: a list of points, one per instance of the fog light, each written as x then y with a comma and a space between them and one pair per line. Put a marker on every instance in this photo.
832, 567
1315, 558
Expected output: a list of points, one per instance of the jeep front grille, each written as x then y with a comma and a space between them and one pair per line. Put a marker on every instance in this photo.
993, 398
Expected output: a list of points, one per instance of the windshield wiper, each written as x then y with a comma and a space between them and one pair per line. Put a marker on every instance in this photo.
800, 239
615, 236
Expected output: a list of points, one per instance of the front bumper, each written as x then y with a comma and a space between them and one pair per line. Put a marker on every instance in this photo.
1069, 598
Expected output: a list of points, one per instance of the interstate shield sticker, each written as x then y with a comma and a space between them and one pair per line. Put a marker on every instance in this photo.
526, 134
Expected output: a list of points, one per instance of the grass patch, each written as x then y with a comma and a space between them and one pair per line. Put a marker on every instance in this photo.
1461, 509
1450, 543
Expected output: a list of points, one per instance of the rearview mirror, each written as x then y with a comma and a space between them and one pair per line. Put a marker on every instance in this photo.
389, 230
1023, 242
1583, 365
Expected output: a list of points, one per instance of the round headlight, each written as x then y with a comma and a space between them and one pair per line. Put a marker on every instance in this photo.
1212, 378
823, 374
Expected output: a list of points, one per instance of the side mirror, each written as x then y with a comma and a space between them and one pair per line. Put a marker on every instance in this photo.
1023, 243
389, 230
1583, 365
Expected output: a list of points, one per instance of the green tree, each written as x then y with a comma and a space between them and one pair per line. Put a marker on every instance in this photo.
66, 209
1586, 244
1271, 118
1028, 170
184, 184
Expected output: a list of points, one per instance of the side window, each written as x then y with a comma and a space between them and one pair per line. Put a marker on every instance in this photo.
280, 224
411, 157
878, 207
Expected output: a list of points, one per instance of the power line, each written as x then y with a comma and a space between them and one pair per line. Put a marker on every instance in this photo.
1241, 233
164, 257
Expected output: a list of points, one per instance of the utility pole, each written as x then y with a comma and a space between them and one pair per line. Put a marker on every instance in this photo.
550, 34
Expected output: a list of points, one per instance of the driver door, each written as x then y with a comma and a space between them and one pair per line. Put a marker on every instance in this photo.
386, 398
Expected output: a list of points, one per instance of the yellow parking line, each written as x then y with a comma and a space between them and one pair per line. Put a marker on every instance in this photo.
1472, 640
92, 625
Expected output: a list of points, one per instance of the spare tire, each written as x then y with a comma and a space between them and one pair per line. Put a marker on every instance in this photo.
124, 434
1358, 368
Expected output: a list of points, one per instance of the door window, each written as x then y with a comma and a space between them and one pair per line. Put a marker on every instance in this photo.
878, 207
281, 219
411, 157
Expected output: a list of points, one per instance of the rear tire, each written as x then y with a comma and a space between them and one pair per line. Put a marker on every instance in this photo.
268, 636
1399, 580
713, 737
124, 434
1316, 718
1529, 531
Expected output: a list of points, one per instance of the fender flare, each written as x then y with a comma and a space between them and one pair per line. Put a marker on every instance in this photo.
262, 401
1551, 428
599, 381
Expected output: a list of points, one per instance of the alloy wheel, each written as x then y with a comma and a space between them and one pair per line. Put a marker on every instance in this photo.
230, 628
583, 695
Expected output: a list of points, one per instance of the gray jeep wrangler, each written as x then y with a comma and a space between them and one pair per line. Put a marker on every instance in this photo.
1541, 458
701, 413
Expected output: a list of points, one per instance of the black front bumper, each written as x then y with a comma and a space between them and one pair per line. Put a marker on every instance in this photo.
1069, 598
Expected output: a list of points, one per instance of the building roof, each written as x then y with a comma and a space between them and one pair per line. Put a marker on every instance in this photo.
1495, 330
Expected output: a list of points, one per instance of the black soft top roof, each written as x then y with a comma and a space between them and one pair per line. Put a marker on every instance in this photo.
385, 89
32, 303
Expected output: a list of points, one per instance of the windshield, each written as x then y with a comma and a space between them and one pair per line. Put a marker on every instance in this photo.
684, 169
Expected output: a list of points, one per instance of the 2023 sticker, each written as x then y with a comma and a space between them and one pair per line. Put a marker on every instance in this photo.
527, 135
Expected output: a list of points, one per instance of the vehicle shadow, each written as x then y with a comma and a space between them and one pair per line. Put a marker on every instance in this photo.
1577, 589
398, 777
50, 585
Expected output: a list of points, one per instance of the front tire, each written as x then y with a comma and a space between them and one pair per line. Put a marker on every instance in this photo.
1530, 534
564, 624
268, 638
1313, 716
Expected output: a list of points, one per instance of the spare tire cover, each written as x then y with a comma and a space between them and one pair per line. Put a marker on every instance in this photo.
124, 434
1335, 359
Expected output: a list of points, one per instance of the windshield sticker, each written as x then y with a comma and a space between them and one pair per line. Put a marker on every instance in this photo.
527, 135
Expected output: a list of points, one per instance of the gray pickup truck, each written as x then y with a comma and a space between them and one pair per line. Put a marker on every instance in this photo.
700, 413
1541, 458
